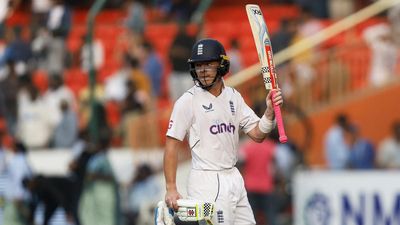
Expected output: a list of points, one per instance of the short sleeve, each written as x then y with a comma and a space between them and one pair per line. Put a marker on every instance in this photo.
181, 117
247, 118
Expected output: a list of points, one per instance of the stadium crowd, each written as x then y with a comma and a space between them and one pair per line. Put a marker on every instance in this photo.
46, 102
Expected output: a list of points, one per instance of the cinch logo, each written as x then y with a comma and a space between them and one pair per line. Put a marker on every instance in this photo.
222, 128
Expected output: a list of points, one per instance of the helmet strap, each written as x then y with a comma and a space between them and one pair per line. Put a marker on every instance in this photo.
208, 86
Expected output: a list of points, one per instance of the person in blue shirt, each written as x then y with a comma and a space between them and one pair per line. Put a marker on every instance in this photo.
153, 66
336, 149
361, 151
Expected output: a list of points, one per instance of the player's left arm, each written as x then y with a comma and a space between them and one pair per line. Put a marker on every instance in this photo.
266, 123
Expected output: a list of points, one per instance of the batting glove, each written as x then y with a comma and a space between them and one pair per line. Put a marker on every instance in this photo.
193, 210
163, 214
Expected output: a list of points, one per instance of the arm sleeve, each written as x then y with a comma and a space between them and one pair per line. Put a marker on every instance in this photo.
181, 118
248, 119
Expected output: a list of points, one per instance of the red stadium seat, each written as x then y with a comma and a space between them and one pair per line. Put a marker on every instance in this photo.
161, 31
40, 80
76, 80
225, 28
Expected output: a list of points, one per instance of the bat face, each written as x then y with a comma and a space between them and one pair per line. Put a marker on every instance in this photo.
263, 45
264, 50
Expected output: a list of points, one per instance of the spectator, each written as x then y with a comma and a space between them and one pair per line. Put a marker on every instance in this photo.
78, 168
394, 21
143, 194
64, 192
55, 95
15, 208
65, 132
389, 149
336, 149
384, 53
304, 62
134, 102
53, 192
235, 58
8, 98
317, 8
81, 143
115, 85
137, 125
139, 77
183, 10
283, 37
2, 147
34, 116
258, 175
362, 152
339, 9
40, 11
336, 80
4, 13
7, 7
99, 204
136, 20
181, 47
98, 54
40, 48
59, 25
152, 66
18, 50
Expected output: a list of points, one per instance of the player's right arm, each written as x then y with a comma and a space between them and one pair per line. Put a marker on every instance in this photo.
179, 124
170, 167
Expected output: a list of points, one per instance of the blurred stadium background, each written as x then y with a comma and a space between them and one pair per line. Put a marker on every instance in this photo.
100, 74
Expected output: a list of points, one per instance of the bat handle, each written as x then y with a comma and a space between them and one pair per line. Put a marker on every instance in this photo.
281, 129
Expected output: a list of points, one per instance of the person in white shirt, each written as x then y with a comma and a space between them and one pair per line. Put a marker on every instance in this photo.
389, 149
211, 115
16, 196
384, 53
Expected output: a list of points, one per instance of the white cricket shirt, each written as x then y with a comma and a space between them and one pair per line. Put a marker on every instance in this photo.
212, 124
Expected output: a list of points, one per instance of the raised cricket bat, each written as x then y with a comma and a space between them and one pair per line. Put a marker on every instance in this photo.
264, 50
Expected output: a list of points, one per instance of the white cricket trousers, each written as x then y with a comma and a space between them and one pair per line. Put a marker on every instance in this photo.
226, 189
